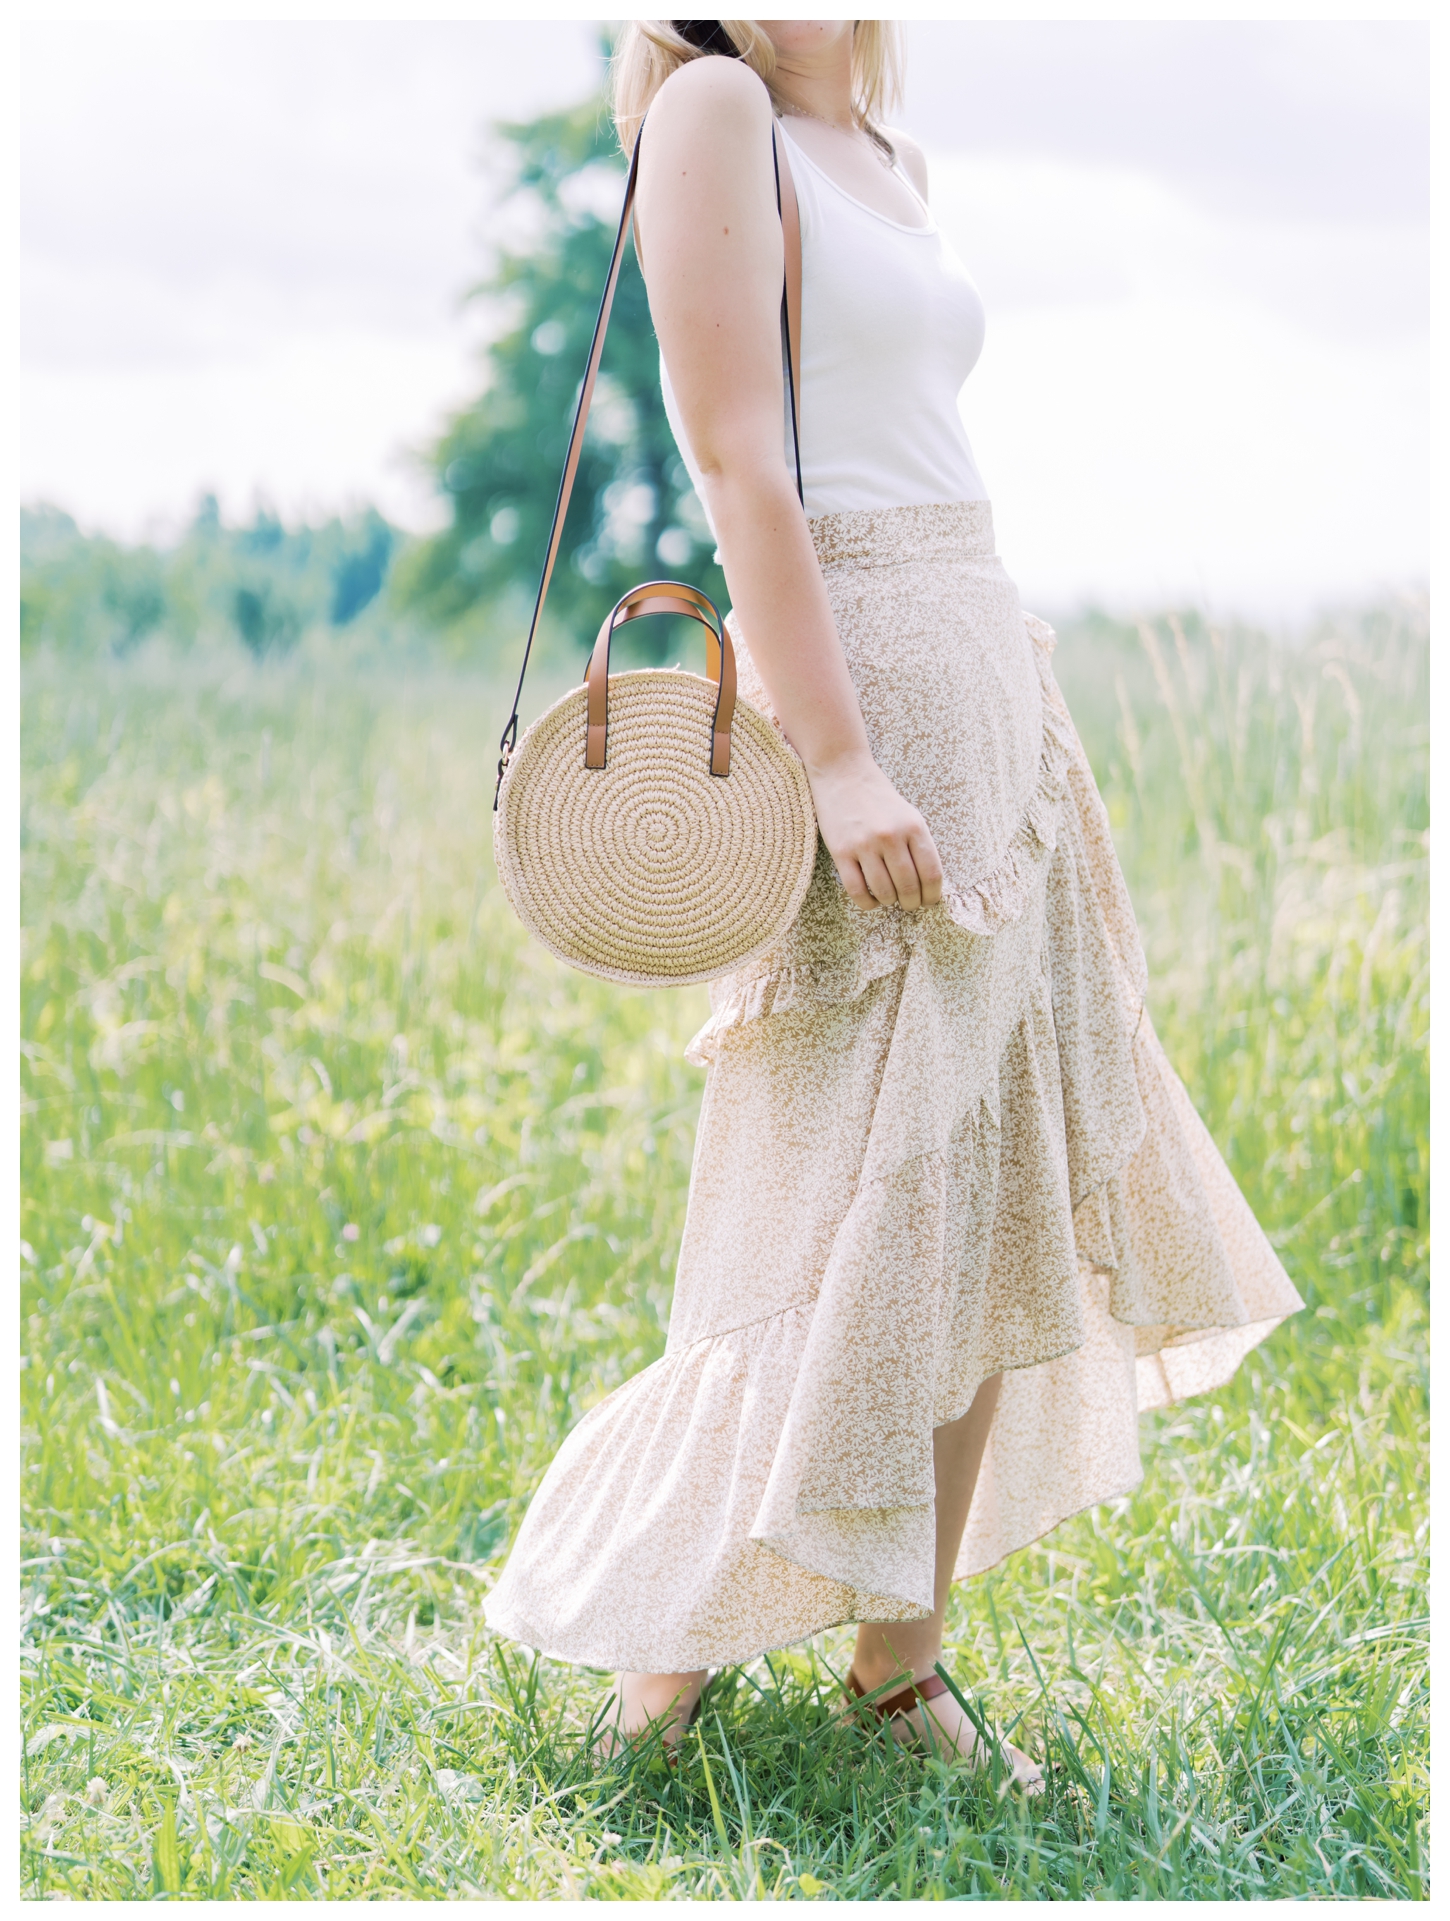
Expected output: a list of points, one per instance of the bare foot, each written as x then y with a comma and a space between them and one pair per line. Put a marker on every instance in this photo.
641, 1703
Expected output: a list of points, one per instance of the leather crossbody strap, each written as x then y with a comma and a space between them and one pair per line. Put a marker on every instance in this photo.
790, 334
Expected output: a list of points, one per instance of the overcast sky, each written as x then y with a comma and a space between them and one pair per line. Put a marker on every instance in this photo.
1203, 250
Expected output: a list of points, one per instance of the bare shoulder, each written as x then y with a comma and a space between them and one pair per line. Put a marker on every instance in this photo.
910, 156
705, 151
707, 101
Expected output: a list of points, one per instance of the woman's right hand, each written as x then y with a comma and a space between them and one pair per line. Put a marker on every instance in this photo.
883, 849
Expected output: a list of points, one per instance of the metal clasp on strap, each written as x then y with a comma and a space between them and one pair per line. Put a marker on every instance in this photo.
506, 746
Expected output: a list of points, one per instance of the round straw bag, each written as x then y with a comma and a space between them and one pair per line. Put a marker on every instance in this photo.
650, 827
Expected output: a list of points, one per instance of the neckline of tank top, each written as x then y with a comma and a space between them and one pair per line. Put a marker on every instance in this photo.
835, 185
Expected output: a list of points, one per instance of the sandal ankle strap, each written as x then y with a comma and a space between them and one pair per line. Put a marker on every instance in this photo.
904, 1700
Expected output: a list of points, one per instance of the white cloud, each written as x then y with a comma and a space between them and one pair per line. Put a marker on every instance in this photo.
343, 160
1162, 447
1037, 230
244, 251
1315, 119
310, 424
1176, 400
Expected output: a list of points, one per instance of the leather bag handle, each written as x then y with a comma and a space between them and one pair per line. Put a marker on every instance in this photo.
790, 333
663, 597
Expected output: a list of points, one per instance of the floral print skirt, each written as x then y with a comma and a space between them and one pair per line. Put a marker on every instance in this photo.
933, 1147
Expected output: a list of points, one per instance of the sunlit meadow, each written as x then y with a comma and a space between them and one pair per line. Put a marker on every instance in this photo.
342, 1202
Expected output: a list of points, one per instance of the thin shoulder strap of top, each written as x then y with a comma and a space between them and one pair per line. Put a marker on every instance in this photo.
788, 207
790, 333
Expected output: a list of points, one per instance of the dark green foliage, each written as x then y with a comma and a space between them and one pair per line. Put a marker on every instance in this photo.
634, 513
266, 622
359, 569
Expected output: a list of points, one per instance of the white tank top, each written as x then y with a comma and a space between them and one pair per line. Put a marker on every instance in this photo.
891, 325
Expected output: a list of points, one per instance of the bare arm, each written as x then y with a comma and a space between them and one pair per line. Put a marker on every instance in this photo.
714, 258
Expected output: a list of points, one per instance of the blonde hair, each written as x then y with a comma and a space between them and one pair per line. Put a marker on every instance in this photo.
648, 52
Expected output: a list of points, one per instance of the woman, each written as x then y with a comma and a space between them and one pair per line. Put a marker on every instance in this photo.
952, 1220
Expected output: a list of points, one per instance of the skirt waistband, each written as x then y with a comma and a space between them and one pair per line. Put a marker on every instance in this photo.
891, 536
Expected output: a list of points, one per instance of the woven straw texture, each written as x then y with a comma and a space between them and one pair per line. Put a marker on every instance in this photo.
651, 870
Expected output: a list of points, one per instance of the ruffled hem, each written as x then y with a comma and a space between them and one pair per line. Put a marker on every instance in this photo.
685, 1522
671, 1566
743, 1596
968, 1156
775, 985
684, 1575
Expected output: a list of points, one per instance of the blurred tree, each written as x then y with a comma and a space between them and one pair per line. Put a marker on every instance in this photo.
85, 593
133, 592
634, 512
264, 584
360, 566
268, 620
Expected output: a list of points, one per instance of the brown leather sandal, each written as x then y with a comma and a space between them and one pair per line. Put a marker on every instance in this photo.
918, 1693
904, 1700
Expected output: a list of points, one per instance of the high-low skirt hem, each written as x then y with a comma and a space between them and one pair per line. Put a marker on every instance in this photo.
934, 1147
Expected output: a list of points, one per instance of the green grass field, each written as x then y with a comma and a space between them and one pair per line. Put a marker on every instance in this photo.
341, 1202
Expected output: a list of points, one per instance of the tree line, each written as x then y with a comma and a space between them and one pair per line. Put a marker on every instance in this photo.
262, 585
